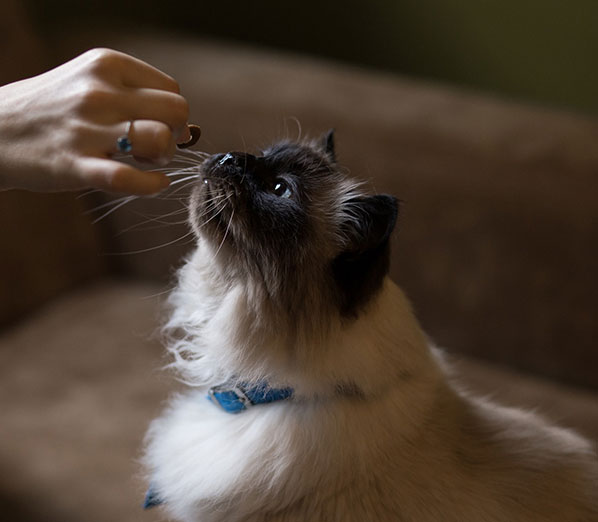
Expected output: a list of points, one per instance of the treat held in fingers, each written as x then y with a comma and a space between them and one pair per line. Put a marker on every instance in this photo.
195, 131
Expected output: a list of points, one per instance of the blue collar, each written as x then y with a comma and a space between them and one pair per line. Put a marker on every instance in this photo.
235, 398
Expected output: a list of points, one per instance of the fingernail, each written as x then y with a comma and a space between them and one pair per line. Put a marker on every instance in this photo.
164, 182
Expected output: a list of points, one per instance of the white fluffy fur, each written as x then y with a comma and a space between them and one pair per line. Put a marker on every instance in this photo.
412, 447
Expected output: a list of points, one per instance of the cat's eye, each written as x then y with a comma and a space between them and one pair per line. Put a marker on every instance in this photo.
281, 188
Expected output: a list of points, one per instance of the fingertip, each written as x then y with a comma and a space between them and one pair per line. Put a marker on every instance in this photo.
174, 85
138, 182
152, 185
113, 176
164, 182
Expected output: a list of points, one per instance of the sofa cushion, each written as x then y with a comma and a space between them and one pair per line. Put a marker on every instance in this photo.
80, 381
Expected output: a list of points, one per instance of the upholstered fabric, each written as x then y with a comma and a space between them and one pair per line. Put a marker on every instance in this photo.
82, 379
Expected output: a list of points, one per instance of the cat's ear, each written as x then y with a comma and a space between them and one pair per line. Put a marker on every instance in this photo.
370, 221
328, 145
360, 268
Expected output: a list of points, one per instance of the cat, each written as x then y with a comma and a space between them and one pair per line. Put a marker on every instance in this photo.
314, 394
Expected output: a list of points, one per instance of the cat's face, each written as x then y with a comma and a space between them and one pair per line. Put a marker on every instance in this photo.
291, 222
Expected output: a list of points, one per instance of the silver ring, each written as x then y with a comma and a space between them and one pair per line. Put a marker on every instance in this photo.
123, 143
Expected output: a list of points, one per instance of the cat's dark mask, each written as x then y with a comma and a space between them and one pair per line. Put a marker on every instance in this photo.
292, 221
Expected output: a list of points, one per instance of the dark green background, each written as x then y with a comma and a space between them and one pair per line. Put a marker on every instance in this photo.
544, 51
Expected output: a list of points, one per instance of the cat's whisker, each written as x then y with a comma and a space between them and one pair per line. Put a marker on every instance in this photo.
173, 171
109, 203
187, 156
173, 190
214, 215
211, 204
150, 249
192, 153
157, 294
184, 184
180, 164
191, 160
87, 193
299, 129
159, 225
118, 203
171, 197
156, 219
226, 232
147, 215
191, 163
287, 133
183, 170
244, 143
177, 169
115, 204
212, 211
157, 216
187, 178
216, 199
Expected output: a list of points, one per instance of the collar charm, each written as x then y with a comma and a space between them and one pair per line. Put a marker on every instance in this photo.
235, 398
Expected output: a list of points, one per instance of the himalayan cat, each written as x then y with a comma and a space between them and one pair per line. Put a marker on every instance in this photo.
314, 395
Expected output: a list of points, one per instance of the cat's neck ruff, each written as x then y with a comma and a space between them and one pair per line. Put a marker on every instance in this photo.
223, 335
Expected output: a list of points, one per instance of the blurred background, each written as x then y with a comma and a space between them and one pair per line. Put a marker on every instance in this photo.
542, 51
480, 115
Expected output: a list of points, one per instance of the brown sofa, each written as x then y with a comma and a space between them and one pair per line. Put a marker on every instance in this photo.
497, 248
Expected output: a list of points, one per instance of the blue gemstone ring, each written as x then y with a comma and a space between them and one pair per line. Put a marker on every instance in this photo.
123, 143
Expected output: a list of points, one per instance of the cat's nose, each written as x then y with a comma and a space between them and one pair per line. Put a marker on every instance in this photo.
240, 160
233, 166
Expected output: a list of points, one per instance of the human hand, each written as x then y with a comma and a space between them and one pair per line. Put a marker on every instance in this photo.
58, 130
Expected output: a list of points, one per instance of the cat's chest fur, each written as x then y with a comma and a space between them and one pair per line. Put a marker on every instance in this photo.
417, 451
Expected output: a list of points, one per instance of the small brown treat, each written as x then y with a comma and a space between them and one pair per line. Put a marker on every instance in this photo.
195, 131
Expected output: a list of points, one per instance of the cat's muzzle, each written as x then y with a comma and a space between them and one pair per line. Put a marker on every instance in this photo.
231, 166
